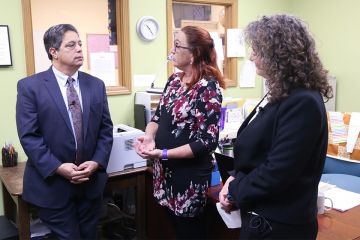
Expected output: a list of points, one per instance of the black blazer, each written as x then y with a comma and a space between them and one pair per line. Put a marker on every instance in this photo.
47, 138
279, 157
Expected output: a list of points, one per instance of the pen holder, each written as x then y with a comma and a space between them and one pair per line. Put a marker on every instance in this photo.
9, 160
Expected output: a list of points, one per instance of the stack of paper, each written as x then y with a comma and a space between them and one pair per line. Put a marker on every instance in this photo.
323, 187
342, 200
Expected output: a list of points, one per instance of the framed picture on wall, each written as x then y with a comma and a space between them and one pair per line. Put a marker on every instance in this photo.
5, 51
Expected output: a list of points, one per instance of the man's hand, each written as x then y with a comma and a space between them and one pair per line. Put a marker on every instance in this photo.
77, 174
84, 171
67, 170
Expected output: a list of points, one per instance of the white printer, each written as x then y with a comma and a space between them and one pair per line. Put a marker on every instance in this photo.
123, 155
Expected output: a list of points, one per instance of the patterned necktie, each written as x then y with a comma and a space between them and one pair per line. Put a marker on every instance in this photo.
76, 117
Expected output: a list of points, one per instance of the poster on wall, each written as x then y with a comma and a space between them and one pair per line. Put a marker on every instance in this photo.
5, 52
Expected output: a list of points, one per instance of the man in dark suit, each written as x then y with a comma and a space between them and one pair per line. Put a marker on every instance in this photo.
65, 129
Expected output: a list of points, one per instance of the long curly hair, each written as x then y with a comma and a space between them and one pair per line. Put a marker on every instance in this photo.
203, 50
286, 51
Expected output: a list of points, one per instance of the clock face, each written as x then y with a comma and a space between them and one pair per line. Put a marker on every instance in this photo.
147, 28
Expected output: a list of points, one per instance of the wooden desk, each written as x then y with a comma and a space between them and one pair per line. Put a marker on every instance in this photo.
333, 225
133, 178
14, 207
18, 210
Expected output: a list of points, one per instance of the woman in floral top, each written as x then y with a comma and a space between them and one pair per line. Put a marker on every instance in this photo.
184, 131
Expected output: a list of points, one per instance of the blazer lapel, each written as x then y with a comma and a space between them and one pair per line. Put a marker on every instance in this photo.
85, 95
54, 91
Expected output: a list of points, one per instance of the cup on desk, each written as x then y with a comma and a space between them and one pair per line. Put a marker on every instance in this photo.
321, 199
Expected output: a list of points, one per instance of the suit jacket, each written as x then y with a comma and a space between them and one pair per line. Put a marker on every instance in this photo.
279, 158
47, 138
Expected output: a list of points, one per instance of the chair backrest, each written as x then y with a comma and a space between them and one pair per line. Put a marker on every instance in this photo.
333, 165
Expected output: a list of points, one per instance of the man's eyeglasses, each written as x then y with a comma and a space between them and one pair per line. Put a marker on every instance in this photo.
72, 44
176, 45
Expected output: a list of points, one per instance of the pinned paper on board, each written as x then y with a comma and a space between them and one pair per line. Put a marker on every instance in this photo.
248, 74
218, 49
235, 43
103, 66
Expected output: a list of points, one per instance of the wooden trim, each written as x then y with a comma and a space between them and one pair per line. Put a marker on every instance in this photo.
231, 9
217, 2
123, 42
122, 23
28, 37
231, 75
169, 25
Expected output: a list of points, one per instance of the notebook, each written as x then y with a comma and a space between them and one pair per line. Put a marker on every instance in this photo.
225, 164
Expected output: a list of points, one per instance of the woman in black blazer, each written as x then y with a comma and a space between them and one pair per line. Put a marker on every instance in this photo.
281, 146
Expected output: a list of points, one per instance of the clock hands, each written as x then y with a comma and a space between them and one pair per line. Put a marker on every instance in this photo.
150, 29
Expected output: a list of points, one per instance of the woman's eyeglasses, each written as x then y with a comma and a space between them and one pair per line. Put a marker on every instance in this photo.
176, 45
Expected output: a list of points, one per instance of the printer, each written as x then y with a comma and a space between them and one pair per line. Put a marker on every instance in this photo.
123, 155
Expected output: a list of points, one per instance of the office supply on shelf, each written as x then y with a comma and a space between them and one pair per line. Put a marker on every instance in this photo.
155, 90
9, 155
140, 116
149, 101
338, 148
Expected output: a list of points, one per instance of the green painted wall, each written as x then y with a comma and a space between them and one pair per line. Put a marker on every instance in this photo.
249, 10
335, 25
11, 15
332, 28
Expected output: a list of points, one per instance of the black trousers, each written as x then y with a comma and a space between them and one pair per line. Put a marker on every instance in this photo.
188, 227
258, 227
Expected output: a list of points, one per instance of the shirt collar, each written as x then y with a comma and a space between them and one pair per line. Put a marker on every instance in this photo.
62, 78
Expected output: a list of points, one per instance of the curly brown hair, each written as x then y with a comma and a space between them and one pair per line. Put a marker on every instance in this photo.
203, 50
287, 51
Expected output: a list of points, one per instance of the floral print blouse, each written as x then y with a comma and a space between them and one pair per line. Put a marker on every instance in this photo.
186, 116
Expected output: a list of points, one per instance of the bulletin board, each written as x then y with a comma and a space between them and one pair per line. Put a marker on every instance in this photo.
338, 150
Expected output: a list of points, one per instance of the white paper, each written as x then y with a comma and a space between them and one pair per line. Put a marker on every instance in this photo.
235, 43
248, 74
143, 80
102, 65
342, 200
218, 49
323, 186
353, 131
5, 57
232, 219
218, 45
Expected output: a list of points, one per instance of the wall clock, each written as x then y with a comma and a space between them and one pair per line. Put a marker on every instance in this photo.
147, 28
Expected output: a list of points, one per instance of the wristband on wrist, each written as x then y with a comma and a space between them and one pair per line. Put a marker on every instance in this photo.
164, 154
